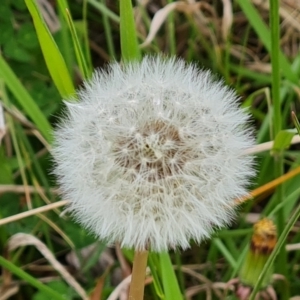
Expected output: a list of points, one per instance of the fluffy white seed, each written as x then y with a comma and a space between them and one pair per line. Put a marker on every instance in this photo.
151, 155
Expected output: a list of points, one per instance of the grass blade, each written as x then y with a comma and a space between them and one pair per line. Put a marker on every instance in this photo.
153, 262
225, 252
34, 282
129, 43
78, 51
296, 122
170, 284
54, 60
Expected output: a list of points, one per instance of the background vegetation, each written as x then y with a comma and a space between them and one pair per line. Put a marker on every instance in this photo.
252, 44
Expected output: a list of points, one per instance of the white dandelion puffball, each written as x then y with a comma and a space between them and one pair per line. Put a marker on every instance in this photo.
151, 155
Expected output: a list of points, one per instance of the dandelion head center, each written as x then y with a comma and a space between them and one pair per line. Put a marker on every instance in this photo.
152, 151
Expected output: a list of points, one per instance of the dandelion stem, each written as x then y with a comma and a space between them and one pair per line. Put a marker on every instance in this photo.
136, 291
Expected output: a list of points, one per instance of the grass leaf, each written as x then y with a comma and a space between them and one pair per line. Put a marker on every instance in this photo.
282, 141
54, 60
170, 284
129, 44
296, 122
78, 51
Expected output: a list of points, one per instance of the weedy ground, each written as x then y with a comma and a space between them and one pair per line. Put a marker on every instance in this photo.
235, 41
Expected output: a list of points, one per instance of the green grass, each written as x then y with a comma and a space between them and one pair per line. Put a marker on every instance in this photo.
38, 68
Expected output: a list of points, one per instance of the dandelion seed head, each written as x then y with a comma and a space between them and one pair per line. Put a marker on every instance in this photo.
151, 155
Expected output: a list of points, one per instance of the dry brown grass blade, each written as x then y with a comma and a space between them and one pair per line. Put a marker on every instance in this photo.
42, 194
34, 211
122, 288
293, 247
97, 292
49, 15
126, 269
268, 146
289, 12
270, 185
194, 290
121, 291
158, 19
57, 229
162, 14
208, 284
8, 292
260, 67
22, 119
20, 189
227, 18
24, 239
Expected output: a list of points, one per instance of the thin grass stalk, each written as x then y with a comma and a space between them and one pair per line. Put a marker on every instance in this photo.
66, 42
86, 46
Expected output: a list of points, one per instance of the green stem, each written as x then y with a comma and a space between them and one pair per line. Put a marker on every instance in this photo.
136, 291
86, 38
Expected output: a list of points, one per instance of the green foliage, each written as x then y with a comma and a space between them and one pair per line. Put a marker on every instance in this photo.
170, 283
296, 122
265, 37
129, 45
54, 60
79, 53
282, 141
58, 286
